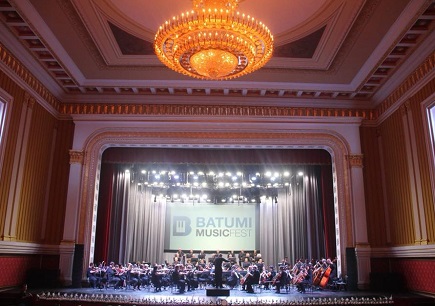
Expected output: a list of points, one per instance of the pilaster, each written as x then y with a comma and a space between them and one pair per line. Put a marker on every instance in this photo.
71, 216
362, 247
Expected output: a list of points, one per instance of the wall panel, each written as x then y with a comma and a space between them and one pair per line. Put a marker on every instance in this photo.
16, 268
59, 186
424, 165
399, 212
6, 171
373, 188
45, 170
36, 176
416, 273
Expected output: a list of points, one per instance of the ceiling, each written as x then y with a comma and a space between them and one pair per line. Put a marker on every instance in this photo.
328, 53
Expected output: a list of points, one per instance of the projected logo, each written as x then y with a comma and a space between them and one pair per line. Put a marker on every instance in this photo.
181, 226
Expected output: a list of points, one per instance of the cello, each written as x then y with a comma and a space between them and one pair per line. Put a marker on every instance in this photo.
325, 277
317, 274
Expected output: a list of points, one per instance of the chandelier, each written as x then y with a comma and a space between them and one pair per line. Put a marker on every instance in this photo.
213, 41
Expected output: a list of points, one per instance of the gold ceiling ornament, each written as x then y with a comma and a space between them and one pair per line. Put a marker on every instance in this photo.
214, 42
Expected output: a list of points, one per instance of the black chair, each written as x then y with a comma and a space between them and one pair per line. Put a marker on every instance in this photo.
204, 279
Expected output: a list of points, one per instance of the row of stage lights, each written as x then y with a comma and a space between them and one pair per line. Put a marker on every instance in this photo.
214, 186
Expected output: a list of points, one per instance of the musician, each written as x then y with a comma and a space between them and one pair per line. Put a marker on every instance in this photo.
252, 278
270, 275
280, 279
179, 253
132, 277
177, 260
189, 256
256, 256
233, 278
304, 278
178, 278
91, 274
191, 281
284, 261
219, 260
241, 257
246, 264
155, 279
180, 256
260, 265
201, 255
113, 275
333, 265
144, 274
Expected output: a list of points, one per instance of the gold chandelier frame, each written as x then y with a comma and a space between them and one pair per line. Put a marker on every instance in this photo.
214, 42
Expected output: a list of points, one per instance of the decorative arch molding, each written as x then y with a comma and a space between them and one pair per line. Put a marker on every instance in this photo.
104, 138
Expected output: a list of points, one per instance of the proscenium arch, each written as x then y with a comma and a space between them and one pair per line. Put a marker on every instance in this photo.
331, 141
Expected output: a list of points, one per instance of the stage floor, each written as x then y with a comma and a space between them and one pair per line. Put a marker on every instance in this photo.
236, 296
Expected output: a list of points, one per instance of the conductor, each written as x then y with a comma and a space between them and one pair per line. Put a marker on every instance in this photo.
218, 270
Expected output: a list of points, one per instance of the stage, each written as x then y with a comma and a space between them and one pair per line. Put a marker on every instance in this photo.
169, 296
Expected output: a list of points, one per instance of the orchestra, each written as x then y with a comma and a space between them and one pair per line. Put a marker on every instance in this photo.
188, 272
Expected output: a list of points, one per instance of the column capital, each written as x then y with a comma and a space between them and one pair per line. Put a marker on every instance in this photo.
76, 157
355, 160
405, 108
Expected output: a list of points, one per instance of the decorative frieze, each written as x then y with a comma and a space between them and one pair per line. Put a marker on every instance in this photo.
211, 110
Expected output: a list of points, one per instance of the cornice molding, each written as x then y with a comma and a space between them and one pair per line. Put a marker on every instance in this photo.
410, 86
13, 247
417, 251
211, 110
19, 73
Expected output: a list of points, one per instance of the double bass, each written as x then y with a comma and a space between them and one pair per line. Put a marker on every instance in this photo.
325, 277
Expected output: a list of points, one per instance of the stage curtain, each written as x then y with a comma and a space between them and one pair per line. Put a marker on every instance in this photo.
145, 228
293, 226
104, 209
137, 223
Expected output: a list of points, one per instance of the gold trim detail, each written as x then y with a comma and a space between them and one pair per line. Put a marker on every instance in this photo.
24, 74
414, 78
76, 157
211, 110
355, 160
